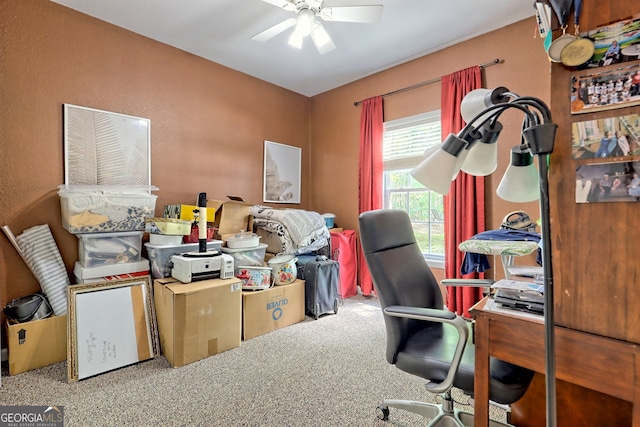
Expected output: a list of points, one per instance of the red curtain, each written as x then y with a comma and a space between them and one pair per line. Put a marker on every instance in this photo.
370, 189
464, 205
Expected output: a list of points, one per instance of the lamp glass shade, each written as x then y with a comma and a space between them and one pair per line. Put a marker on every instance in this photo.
482, 159
431, 150
519, 184
461, 159
474, 103
435, 171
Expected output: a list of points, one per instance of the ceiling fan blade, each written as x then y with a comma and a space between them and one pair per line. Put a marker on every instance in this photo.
284, 4
275, 30
321, 38
366, 14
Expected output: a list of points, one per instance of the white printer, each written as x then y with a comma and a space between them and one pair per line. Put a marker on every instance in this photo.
192, 266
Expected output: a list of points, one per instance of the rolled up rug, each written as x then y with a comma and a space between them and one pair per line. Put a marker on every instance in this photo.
40, 252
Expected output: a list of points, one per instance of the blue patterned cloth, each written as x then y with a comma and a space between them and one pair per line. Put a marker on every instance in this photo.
479, 263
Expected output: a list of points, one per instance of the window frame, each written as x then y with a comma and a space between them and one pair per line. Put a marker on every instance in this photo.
404, 163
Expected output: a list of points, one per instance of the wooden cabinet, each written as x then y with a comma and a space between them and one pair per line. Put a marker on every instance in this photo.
596, 273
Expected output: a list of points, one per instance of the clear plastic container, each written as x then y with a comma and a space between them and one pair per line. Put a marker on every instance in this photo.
100, 209
98, 249
160, 255
247, 256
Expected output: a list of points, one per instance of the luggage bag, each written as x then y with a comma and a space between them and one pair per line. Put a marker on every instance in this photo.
322, 277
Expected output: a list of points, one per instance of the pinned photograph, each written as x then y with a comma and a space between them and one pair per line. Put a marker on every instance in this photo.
615, 43
608, 182
606, 138
605, 90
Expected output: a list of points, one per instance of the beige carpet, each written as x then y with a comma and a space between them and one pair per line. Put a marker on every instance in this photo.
325, 372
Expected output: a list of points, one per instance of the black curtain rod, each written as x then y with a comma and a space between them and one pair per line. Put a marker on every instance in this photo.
428, 82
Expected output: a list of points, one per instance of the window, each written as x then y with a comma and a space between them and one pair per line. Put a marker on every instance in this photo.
404, 143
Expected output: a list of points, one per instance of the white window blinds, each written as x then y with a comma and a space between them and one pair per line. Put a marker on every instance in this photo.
406, 139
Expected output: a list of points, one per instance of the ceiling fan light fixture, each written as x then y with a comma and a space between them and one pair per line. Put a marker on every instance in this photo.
321, 38
306, 23
295, 39
306, 19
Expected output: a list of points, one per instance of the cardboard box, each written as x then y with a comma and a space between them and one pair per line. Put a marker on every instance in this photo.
270, 309
231, 217
38, 343
199, 319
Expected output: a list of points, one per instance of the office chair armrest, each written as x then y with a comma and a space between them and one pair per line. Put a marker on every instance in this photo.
441, 316
419, 313
467, 282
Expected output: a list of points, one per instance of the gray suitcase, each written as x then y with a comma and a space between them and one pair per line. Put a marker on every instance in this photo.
322, 277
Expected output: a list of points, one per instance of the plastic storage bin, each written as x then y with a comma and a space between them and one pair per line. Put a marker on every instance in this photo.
110, 272
160, 255
168, 226
97, 249
329, 218
100, 209
247, 256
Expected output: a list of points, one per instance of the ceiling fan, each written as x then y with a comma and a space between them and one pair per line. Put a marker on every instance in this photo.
306, 23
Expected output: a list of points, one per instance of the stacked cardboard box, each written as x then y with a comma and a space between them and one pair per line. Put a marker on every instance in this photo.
270, 309
199, 319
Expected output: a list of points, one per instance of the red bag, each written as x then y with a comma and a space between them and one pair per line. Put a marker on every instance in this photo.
343, 250
194, 236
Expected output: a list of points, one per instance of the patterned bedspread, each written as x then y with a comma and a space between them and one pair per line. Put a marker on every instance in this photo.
300, 231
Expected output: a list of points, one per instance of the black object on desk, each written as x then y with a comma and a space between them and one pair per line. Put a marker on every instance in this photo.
532, 302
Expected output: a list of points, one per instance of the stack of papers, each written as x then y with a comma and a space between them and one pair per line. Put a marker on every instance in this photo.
525, 271
518, 285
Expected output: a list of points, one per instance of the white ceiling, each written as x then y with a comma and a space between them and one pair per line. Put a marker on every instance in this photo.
221, 30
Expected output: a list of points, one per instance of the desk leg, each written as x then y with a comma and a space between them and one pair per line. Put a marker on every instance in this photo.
481, 378
636, 400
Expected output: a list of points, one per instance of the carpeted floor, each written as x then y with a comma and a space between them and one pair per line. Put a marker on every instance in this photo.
326, 372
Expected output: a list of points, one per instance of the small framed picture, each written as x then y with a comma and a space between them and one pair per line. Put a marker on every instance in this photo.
282, 169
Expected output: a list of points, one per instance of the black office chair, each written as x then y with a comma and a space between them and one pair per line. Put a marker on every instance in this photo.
423, 337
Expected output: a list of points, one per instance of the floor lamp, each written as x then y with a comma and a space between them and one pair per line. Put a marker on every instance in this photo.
474, 151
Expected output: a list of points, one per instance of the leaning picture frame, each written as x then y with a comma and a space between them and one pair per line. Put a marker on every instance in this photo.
109, 325
282, 171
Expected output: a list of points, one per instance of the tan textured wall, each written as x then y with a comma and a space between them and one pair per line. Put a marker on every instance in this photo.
335, 121
208, 122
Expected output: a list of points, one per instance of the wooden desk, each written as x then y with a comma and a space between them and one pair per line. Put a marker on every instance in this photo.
602, 364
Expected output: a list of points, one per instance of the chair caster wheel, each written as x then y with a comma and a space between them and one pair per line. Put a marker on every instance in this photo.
382, 412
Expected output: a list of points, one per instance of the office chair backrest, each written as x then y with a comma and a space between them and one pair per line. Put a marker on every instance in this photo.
399, 271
